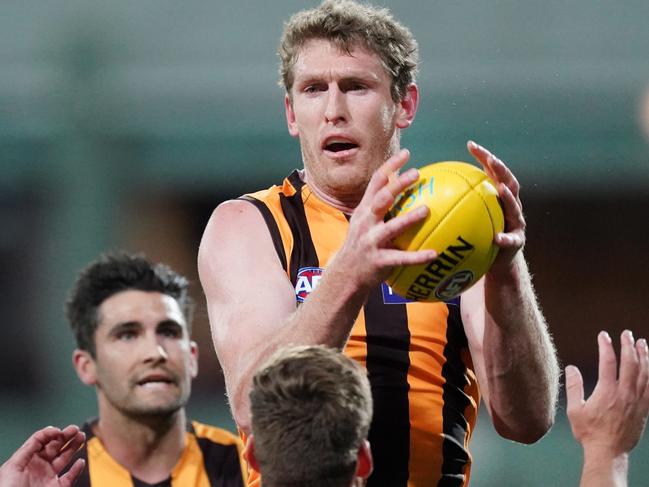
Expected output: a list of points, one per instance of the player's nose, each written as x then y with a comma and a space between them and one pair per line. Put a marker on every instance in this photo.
155, 350
336, 107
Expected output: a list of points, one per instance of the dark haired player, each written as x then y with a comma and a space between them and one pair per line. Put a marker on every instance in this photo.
131, 319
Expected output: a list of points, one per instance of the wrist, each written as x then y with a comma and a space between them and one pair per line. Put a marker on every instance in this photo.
508, 274
603, 456
350, 287
356, 284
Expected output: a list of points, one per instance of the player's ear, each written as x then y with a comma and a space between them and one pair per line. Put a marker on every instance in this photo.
193, 350
408, 106
85, 366
249, 453
290, 116
364, 463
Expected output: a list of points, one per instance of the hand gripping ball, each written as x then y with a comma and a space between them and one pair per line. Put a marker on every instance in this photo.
465, 215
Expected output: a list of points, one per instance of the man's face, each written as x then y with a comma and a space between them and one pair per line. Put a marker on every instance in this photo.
342, 111
144, 359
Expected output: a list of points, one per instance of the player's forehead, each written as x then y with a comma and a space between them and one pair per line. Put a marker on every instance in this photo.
133, 305
321, 58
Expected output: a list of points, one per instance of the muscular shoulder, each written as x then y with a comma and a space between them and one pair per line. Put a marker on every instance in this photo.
233, 217
236, 230
236, 247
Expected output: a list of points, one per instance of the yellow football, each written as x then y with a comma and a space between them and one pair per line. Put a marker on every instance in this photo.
465, 215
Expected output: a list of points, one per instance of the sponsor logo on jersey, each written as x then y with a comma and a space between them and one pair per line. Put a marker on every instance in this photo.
307, 280
390, 296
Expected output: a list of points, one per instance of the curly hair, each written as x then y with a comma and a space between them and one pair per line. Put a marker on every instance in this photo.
347, 25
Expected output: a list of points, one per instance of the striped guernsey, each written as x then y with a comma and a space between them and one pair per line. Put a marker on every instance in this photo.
423, 384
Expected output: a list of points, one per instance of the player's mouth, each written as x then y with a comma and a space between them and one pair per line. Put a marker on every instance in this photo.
151, 381
340, 147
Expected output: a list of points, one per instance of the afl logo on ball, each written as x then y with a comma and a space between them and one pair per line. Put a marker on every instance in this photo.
307, 280
454, 285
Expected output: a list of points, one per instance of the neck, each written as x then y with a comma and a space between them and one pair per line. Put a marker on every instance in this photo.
342, 203
147, 446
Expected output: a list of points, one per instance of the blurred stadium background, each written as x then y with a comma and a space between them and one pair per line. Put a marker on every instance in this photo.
123, 124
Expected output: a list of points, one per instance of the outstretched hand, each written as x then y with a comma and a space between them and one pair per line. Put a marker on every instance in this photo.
40, 460
611, 422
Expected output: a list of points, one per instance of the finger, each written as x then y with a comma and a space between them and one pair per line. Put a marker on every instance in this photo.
37, 443
509, 241
68, 451
33, 445
643, 376
72, 475
396, 162
629, 363
51, 449
388, 170
607, 361
482, 155
504, 175
396, 226
69, 432
514, 237
387, 195
574, 390
495, 168
395, 257
479, 152
511, 203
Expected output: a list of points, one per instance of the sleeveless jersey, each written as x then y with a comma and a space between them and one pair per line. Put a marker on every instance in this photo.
424, 387
212, 458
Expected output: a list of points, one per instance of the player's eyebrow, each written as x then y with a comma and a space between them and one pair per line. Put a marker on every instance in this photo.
361, 76
124, 326
170, 324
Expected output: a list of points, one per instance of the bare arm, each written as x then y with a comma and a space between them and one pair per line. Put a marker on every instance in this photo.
38, 462
611, 422
251, 302
512, 350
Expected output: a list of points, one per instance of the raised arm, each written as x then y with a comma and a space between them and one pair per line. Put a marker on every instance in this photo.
611, 422
251, 302
510, 344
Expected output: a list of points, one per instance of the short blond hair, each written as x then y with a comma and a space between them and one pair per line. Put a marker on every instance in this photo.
348, 24
311, 409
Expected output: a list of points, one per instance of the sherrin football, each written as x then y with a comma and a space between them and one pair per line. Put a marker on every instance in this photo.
465, 215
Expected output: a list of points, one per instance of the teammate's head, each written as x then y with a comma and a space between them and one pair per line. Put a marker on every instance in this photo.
114, 273
130, 317
349, 25
311, 409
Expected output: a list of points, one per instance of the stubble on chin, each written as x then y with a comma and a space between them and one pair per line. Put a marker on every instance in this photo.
152, 410
139, 406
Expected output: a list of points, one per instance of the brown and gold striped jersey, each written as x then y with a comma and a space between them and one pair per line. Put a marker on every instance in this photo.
423, 384
212, 458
